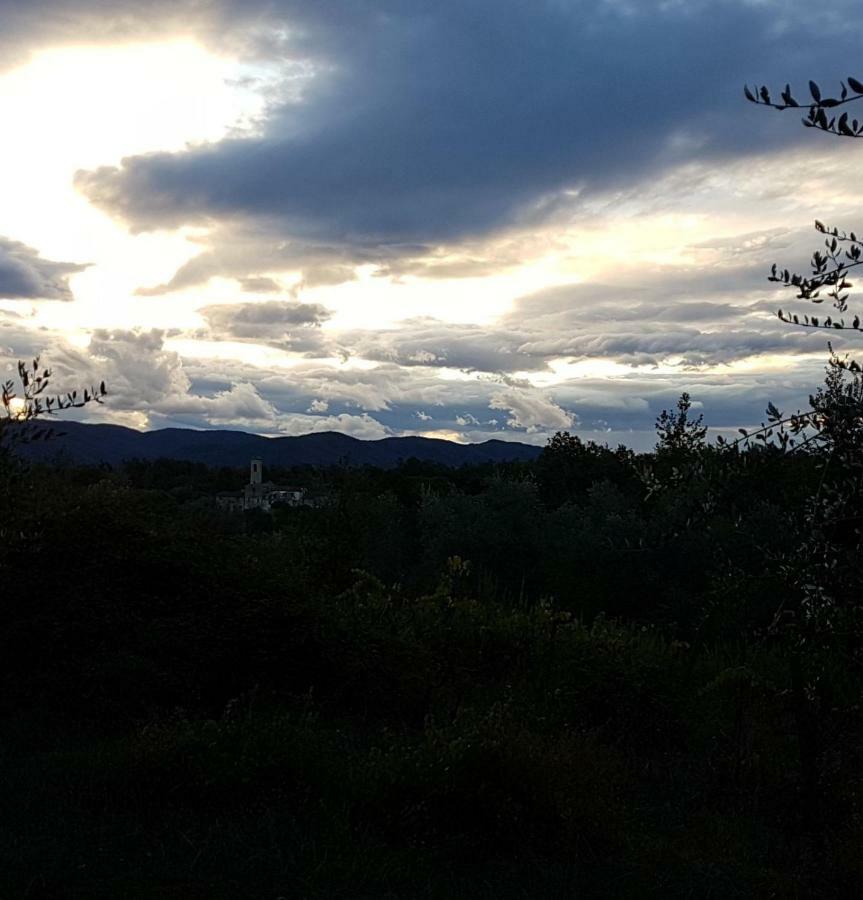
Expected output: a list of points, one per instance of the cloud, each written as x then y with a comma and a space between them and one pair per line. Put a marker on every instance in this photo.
24, 275
140, 371
531, 410
709, 313
425, 123
239, 406
148, 380
287, 324
260, 285
431, 342
713, 311
244, 250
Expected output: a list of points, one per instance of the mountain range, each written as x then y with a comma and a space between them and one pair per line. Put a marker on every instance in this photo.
89, 444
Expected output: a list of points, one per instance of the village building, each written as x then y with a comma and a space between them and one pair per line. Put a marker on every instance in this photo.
260, 494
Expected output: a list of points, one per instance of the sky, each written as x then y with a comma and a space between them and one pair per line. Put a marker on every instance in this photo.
462, 218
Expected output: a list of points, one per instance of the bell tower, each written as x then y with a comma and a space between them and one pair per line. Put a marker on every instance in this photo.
256, 473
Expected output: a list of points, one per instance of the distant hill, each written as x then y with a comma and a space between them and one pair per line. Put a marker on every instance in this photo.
92, 444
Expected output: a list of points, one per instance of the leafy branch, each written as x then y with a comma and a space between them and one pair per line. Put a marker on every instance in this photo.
835, 414
829, 270
35, 401
817, 115
786, 429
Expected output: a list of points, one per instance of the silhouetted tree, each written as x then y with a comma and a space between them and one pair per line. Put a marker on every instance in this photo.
567, 467
678, 433
824, 612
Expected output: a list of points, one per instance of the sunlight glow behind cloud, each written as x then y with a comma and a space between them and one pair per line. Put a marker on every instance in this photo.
77, 107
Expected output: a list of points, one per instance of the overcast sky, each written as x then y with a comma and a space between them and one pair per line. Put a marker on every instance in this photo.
463, 219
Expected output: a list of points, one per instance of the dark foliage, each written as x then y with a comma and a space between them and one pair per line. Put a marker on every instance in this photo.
572, 677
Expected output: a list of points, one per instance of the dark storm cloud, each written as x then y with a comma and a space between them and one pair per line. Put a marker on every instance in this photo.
429, 121
24, 275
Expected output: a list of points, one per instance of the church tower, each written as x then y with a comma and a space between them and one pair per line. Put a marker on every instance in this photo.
253, 492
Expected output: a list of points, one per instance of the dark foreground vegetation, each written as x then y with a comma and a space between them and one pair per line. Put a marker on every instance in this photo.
595, 675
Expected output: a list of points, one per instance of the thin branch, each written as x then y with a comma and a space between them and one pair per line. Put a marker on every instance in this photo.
828, 324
